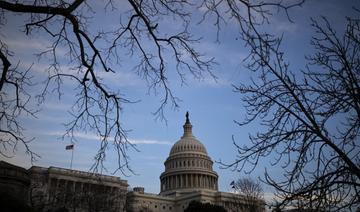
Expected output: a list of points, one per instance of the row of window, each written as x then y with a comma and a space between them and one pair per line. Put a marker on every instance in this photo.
164, 207
188, 181
188, 147
189, 163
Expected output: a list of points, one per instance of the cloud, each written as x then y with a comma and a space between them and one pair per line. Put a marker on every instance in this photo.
209, 81
134, 141
91, 136
287, 27
60, 105
28, 44
34, 45
122, 79
269, 197
78, 135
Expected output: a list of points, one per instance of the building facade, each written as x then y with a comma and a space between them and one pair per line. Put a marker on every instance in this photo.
58, 189
188, 176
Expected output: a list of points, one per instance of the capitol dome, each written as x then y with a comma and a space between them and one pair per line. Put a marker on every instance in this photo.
188, 166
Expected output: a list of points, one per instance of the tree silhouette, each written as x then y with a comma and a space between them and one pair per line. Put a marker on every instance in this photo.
311, 118
195, 206
252, 191
90, 51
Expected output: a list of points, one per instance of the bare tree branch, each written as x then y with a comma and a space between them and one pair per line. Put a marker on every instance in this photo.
311, 119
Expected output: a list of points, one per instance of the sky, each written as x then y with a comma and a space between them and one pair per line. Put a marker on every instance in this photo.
213, 106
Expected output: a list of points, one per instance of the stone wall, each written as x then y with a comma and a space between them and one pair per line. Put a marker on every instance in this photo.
49, 189
145, 202
179, 201
14, 182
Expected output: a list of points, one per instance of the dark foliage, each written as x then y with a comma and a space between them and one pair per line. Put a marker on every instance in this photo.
9, 203
195, 206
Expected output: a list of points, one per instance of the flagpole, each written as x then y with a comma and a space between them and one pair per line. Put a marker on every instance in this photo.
72, 156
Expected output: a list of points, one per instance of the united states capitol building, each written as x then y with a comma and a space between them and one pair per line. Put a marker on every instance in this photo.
188, 176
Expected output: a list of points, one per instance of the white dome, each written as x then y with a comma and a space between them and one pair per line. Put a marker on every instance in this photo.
188, 144
188, 166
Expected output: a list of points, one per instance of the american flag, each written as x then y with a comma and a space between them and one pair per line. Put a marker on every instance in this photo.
68, 147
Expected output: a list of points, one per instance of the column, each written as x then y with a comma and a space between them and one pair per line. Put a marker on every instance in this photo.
164, 179
166, 183
81, 187
195, 180
207, 182
57, 184
187, 180
181, 181
176, 181
74, 187
170, 181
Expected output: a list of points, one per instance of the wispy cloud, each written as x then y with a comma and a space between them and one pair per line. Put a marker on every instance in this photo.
24, 44
61, 106
78, 135
287, 27
33, 44
269, 197
209, 81
135, 141
91, 136
121, 79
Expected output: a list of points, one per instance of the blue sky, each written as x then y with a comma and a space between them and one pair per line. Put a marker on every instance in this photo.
213, 106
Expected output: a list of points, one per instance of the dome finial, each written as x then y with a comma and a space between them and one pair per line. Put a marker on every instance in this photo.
187, 117
187, 126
